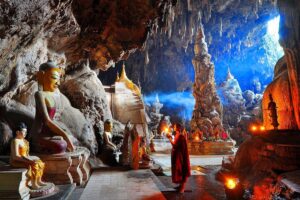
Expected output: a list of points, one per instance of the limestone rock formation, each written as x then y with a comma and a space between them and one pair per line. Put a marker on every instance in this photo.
86, 92
155, 115
232, 100
207, 114
285, 87
289, 10
266, 157
281, 91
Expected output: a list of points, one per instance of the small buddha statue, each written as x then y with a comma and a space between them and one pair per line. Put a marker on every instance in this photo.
107, 135
273, 112
19, 157
47, 136
143, 154
134, 152
109, 148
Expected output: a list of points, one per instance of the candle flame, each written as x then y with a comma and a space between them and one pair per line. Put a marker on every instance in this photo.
231, 183
254, 128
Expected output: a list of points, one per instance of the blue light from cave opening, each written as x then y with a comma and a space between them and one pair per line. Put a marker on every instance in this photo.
179, 105
252, 67
273, 28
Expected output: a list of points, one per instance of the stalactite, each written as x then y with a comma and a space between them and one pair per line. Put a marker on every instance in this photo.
146, 57
189, 6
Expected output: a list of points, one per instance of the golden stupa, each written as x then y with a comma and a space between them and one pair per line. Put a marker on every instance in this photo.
129, 84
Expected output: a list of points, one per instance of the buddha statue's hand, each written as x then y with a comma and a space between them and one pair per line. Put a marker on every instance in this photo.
71, 147
31, 161
57, 138
34, 158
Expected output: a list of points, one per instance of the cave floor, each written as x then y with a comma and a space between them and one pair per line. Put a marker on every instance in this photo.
121, 184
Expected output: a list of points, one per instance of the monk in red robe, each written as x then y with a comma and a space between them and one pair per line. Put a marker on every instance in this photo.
180, 160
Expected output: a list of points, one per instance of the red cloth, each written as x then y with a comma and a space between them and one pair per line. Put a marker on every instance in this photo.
180, 160
44, 141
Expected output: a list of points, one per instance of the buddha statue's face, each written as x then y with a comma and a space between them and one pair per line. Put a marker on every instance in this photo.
50, 79
22, 134
108, 127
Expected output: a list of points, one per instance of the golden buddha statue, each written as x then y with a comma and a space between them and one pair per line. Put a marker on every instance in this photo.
109, 149
47, 136
129, 84
19, 157
107, 136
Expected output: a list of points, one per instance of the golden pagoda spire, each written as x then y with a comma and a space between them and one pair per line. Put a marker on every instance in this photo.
130, 85
123, 77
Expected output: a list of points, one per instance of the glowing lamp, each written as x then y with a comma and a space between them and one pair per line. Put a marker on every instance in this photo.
254, 128
197, 138
166, 130
262, 128
231, 183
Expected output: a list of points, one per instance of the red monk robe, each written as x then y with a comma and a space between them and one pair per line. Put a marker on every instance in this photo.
180, 160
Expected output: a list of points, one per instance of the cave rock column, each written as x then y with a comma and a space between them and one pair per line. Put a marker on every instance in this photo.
207, 112
290, 41
285, 88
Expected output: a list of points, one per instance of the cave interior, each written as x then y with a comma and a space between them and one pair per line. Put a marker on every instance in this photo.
227, 70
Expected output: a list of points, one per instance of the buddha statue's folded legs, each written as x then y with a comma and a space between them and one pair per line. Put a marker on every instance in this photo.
50, 145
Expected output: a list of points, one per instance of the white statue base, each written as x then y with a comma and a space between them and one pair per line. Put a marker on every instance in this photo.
43, 191
13, 183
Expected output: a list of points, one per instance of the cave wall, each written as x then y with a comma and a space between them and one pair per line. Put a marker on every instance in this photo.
80, 36
290, 41
285, 86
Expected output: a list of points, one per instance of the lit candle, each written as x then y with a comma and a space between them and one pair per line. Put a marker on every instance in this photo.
166, 130
231, 183
254, 128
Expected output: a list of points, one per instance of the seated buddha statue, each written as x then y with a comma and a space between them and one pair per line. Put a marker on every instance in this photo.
20, 157
143, 153
109, 148
46, 135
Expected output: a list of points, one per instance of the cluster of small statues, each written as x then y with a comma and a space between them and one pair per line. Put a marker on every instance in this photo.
199, 136
128, 149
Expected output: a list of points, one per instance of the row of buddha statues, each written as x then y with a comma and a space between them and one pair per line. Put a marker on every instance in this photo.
47, 138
